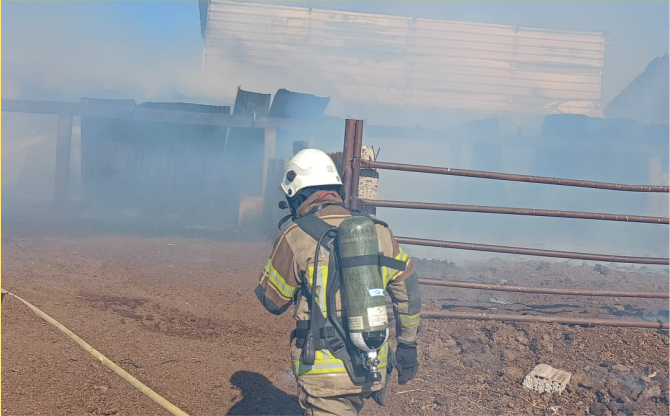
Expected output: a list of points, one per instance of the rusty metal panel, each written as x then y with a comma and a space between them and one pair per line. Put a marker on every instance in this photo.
247, 103
406, 61
289, 104
293, 105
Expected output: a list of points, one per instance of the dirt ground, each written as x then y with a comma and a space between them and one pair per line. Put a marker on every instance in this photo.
179, 314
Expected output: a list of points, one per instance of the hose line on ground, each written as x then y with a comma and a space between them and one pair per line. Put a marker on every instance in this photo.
106, 361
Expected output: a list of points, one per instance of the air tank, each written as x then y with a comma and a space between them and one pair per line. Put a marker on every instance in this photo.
364, 299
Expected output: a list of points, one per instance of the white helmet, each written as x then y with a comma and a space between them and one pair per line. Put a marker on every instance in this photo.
309, 167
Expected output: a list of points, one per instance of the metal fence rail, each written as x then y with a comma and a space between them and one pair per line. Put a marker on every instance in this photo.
352, 165
351, 169
513, 211
546, 290
565, 320
531, 251
371, 164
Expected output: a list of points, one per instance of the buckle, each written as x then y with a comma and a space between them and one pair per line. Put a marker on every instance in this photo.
335, 345
327, 332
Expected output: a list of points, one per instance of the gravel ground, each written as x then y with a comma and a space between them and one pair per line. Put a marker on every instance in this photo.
179, 314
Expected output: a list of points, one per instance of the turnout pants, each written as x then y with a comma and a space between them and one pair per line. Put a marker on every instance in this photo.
349, 404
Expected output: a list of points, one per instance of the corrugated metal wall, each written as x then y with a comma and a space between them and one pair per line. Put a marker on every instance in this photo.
406, 61
156, 172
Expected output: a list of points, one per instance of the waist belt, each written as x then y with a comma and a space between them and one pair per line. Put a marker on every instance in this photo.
300, 332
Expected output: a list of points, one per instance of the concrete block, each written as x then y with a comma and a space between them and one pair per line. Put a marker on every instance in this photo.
367, 153
545, 378
368, 184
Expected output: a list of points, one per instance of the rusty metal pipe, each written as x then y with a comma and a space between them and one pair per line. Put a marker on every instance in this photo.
356, 170
483, 316
548, 291
347, 156
513, 211
371, 164
531, 251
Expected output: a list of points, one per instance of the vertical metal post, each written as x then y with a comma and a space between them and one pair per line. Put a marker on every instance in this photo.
356, 166
347, 156
63, 146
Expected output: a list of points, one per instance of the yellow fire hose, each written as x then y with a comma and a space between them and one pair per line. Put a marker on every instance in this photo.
109, 363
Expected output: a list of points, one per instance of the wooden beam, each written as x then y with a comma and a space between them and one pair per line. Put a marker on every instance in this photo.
163, 116
268, 153
641, 145
63, 146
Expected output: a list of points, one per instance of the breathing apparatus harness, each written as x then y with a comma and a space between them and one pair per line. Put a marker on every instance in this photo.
331, 332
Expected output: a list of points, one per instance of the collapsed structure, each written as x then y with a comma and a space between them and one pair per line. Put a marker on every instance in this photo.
189, 173
521, 99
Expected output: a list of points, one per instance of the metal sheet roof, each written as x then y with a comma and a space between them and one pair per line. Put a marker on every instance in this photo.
406, 61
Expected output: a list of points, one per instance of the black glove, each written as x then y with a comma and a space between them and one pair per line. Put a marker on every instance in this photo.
408, 363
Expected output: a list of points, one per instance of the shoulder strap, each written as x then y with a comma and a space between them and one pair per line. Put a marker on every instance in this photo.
283, 220
392, 263
370, 259
311, 212
312, 225
374, 219
315, 227
380, 222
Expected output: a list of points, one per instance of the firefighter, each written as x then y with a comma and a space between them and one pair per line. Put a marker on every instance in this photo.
332, 382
